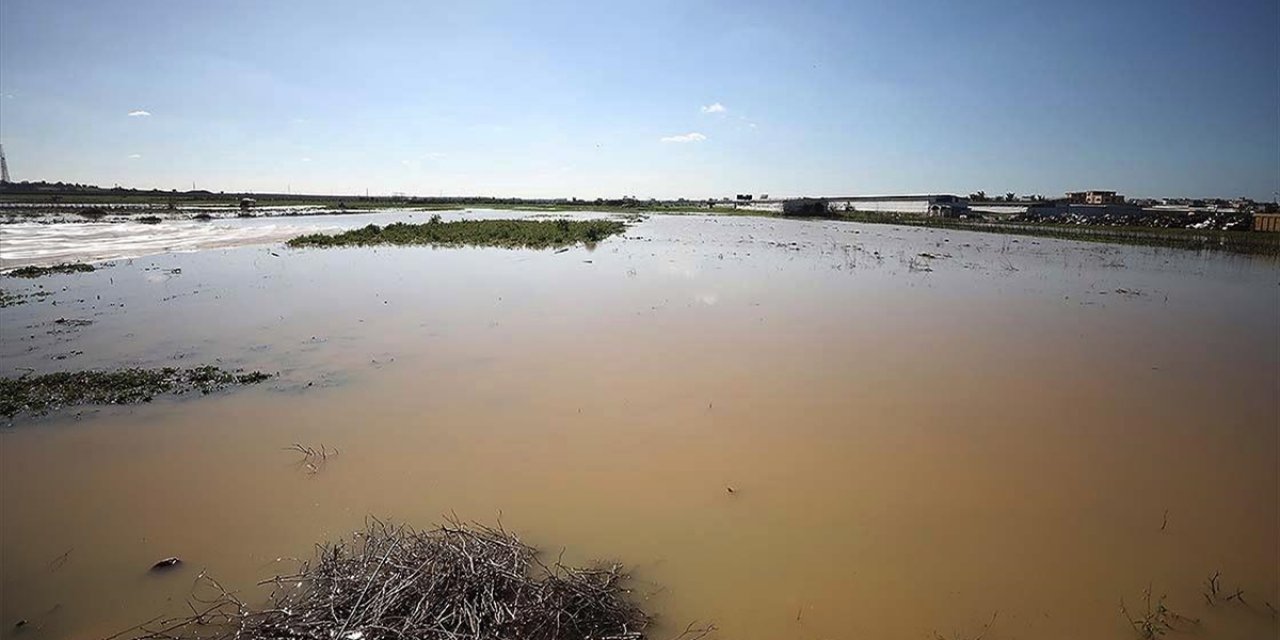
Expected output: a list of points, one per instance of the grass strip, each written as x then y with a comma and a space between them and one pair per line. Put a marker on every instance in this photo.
510, 234
40, 394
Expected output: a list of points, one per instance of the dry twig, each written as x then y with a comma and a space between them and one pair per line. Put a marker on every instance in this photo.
456, 581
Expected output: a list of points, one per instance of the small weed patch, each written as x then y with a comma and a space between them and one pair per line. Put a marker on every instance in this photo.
36, 272
10, 299
1155, 619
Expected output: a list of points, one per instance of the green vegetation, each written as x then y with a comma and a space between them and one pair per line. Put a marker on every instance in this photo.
511, 234
66, 267
1250, 242
43, 393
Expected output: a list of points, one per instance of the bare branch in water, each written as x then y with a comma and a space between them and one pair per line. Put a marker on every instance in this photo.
391, 581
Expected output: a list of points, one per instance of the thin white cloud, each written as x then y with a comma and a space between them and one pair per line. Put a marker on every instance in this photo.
305, 159
715, 107
135, 155
139, 113
688, 137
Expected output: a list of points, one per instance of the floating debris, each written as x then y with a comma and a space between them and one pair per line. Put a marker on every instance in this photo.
167, 563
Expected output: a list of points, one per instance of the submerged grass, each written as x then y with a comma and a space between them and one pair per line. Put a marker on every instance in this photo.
43, 393
66, 267
11, 299
512, 234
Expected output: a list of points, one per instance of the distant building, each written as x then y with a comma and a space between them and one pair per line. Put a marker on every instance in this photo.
1266, 222
1094, 197
937, 210
805, 207
918, 204
744, 196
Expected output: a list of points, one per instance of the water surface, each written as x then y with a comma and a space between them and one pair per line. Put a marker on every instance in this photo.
916, 442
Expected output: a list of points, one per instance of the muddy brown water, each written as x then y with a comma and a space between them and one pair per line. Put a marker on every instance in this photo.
1031, 429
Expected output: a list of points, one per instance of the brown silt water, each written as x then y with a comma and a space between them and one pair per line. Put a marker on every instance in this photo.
790, 429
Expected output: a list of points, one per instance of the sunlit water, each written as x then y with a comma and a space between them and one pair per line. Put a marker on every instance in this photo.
1030, 427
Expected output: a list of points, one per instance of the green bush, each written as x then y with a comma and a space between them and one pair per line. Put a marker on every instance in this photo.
511, 234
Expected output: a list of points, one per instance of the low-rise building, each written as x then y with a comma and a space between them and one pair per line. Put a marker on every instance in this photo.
919, 204
1266, 222
805, 207
1094, 197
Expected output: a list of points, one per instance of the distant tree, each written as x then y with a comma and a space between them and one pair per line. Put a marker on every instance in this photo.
1010, 197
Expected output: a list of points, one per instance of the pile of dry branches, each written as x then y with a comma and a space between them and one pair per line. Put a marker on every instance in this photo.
455, 581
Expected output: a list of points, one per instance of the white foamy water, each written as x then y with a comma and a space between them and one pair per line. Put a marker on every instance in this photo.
44, 244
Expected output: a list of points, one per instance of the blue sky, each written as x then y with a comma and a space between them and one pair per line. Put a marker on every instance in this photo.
652, 99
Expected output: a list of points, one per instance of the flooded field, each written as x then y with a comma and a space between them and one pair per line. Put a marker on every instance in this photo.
34, 243
792, 429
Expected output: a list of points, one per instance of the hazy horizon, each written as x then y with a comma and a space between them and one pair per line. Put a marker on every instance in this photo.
662, 100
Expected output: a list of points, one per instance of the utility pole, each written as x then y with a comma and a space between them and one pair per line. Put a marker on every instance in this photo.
4, 167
